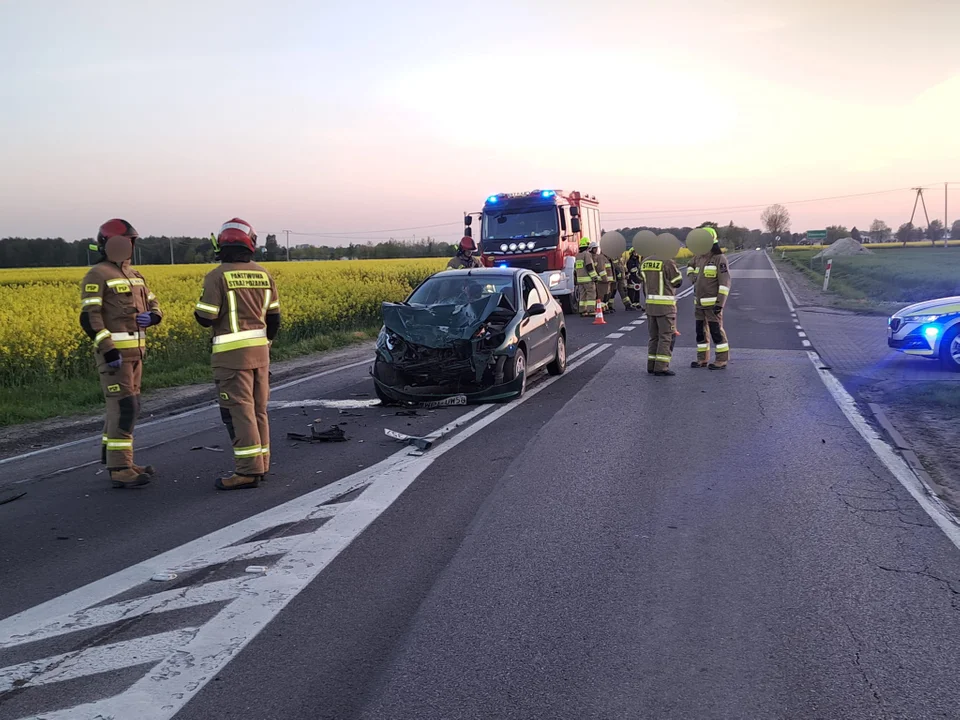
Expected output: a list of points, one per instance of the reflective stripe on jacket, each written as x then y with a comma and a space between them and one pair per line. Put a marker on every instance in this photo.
713, 281
111, 297
660, 279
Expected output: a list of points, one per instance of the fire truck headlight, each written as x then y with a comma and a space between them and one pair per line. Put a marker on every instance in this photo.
521, 246
513, 246
503, 248
554, 279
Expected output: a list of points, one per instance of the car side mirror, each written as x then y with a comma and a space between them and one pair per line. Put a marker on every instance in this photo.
536, 309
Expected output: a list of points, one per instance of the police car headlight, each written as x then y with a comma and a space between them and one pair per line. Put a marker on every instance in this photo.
922, 318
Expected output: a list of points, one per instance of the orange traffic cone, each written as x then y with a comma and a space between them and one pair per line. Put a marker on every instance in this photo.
598, 318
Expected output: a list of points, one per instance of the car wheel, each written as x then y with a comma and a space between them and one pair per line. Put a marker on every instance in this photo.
571, 303
517, 368
559, 364
381, 395
950, 349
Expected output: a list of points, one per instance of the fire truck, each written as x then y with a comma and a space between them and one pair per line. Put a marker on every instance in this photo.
539, 230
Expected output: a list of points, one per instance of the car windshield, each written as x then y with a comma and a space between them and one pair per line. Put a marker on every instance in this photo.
514, 225
462, 288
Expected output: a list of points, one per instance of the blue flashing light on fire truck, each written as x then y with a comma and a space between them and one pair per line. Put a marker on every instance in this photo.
538, 230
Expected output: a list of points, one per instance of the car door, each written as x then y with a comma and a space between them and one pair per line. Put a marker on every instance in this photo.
533, 328
552, 320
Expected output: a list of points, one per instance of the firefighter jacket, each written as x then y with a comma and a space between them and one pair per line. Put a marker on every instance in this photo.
712, 281
462, 262
584, 268
238, 298
693, 268
633, 270
604, 268
661, 280
111, 298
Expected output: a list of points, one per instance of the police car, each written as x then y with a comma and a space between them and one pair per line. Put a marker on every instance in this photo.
928, 329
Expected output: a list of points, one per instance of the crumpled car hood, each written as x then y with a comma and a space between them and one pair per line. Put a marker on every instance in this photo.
437, 326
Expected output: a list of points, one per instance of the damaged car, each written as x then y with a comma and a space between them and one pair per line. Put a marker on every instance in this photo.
474, 335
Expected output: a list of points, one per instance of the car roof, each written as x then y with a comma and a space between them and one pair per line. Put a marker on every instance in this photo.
483, 272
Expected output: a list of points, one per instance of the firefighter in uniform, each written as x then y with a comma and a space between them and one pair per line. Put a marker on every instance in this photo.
117, 307
604, 273
711, 289
620, 268
661, 278
610, 268
465, 258
241, 305
585, 273
634, 279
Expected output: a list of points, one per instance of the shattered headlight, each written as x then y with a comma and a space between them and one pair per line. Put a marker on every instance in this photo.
386, 339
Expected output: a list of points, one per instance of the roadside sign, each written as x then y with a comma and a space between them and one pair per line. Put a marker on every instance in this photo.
816, 235
826, 276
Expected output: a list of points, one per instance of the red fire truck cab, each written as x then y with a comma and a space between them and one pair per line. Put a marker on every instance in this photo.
539, 230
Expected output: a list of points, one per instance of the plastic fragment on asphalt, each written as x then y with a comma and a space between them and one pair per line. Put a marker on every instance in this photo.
256, 569
419, 442
164, 577
211, 448
334, 434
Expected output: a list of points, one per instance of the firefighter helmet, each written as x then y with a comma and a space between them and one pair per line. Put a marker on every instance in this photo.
238, 232
594, 245
712, 231
468, 244
584, 242
116, 228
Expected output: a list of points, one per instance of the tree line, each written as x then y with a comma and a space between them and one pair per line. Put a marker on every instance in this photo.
57, 252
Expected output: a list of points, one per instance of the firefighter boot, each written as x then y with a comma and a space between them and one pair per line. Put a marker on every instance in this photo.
128, 478
718, 365
238, 482
664, 373
698, 364
144, 470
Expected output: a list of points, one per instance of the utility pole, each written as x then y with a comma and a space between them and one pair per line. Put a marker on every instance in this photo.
171, 251
288, 244
919, 198
946, 222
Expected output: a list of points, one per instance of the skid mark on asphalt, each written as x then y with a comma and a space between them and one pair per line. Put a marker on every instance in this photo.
179, 661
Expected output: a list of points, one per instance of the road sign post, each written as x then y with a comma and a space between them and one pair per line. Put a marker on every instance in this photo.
826, 276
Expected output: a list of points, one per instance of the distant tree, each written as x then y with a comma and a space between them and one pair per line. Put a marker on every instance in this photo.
904, 232
733, 236
934, 231
776, 219
955, 230
855, 234
916, 235
879, 231
835, 232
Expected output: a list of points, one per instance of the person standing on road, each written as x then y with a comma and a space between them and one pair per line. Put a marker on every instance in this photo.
604, 273
466, 257
661, 280
117, 307
585, 273
634, 278
620, 269
240, 303
711, 289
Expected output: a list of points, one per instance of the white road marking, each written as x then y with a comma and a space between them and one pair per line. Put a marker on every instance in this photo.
798, 327
189, 658
638, 322
178, 416
615, 335
353, 404
802, 334
627, 328
898, 467
806, 343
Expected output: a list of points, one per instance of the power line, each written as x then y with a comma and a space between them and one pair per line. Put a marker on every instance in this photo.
756, 206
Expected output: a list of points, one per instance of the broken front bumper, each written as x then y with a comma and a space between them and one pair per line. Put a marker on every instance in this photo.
409, 394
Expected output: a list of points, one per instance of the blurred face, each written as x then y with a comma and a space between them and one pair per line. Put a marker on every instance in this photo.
118, 249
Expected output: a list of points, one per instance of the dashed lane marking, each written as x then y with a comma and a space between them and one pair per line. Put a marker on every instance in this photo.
806, 343
615, 336
627, 328
179, 662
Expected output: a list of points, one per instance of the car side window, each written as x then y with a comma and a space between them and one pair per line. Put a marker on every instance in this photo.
530, 295
542, 289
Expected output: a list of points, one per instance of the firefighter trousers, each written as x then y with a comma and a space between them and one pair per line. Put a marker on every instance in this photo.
121, 390
588, 298
243, 396
634, 294
603, 294
662, 339
711, 320
624, 293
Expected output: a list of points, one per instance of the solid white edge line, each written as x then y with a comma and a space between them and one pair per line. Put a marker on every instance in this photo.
897, 466
179, 416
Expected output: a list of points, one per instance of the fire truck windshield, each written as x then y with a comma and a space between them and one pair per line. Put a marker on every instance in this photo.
520, 224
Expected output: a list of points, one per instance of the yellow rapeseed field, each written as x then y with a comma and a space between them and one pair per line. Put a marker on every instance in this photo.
41, 339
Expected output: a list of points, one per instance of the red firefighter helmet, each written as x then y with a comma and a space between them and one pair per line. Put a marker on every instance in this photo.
468, 244
116, 228
238, 232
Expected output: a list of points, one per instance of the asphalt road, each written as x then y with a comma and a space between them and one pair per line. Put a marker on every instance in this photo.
713, 545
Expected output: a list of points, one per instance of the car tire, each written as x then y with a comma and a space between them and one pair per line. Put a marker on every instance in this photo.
950, 349
517, 365
381, 395
571, 303
559, 364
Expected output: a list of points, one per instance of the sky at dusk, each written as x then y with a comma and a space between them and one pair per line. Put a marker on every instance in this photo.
345, 117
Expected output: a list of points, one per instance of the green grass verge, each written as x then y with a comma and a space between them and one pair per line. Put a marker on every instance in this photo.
942, 395
42, 401
889, 276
